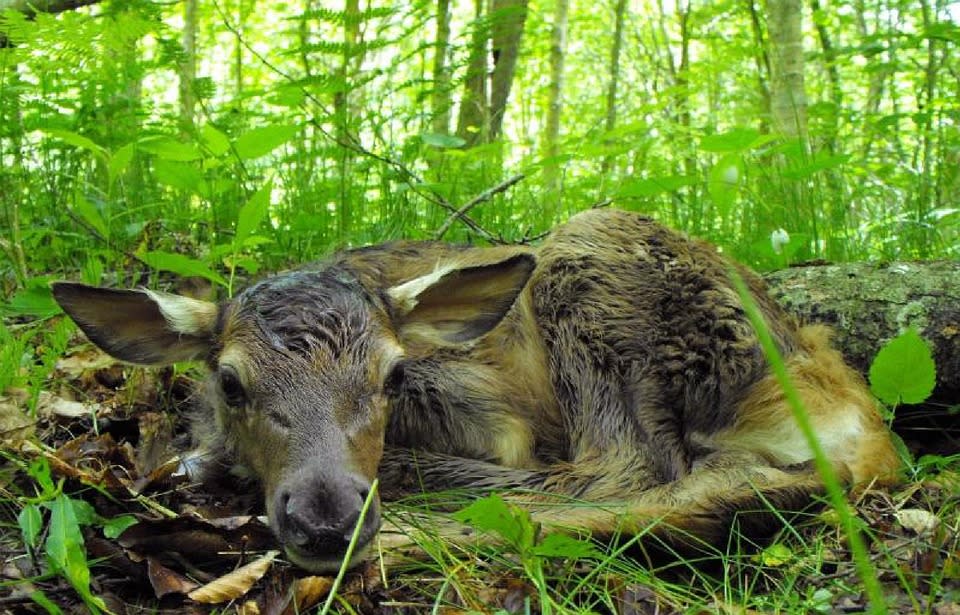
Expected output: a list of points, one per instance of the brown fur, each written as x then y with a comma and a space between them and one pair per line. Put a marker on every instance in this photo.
614, 364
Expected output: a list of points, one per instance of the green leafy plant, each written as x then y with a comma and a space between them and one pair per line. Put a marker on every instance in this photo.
903, 372
51, 522
521, 535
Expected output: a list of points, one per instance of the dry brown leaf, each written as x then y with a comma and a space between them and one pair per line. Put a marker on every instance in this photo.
165, 581
89, 358
234, 584
917, 520
15, 424
52, 405
308, 592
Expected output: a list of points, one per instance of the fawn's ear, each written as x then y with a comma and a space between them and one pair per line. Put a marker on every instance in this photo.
458, 304
140, 326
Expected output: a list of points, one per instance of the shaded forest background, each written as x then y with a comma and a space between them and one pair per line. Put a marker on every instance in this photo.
221, 138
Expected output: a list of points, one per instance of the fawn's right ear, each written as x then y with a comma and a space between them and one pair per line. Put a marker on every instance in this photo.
140, 326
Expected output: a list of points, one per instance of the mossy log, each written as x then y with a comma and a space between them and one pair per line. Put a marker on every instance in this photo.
868, 304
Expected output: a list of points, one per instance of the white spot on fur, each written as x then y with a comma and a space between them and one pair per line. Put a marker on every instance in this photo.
185, 315
839, 437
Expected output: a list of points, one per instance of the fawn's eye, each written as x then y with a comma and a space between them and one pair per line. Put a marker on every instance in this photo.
231, 386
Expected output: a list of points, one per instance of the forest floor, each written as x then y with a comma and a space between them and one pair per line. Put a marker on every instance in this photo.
92, 484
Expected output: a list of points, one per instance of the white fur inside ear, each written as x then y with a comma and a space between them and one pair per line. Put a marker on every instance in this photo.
185, 315
405, 295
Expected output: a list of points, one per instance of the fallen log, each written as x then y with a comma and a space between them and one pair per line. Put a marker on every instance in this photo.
870, 303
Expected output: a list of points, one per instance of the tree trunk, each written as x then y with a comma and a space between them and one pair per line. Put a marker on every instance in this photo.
788, 96
868, 304
762, 60
188, 67
341, 113
558, 50
441, 78
473, 120
613, 85
238, 53
509, 17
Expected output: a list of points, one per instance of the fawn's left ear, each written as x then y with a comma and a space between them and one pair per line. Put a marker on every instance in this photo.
458, 304
140, 326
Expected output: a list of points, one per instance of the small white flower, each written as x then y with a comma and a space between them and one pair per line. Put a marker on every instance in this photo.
731, 174
778, 239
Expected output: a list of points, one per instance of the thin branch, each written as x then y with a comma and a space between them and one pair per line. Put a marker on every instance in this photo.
483, 197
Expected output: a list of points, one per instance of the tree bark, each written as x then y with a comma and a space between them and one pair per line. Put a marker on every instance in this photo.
558, 50
613, 85
440, 96
473, 121
509, 17
868, 304
788, 95
188, 67
342, 115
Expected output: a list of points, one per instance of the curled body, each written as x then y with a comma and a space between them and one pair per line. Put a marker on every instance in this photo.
613, 364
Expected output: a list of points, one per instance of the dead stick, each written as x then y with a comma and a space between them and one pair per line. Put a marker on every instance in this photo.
486, 195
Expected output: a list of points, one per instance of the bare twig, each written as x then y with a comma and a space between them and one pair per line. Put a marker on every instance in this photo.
483, 197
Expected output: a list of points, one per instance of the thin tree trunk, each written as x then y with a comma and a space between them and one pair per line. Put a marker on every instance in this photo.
238, 52
762, 60
341, 112
613, 85
188, 67
558, 49
473, 120
788, 95
924, 155
509, 17
441, 77
833, 75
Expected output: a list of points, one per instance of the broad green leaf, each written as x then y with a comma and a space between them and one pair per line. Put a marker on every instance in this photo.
180, 175
35, 300
734, 141
76, 140
655, 185
90, 214
65, 550
214, 140
261, 141
84, 512
492, 514
31, 522
112, 528
288, 95
168, 148
120, 160
776, 555
253, 212
822, 163
39, 471
903, 371
442, 141
561, 545
181, 265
